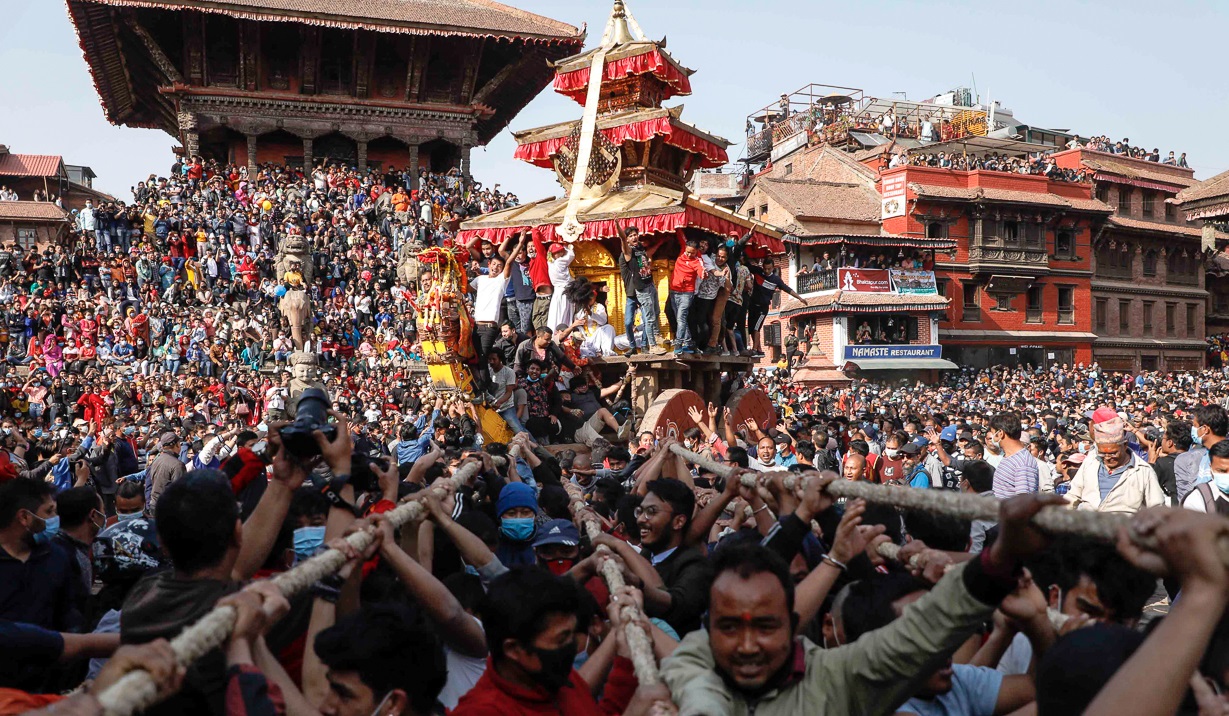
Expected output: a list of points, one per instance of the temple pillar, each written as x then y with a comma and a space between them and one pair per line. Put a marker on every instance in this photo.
362, 154
413, 166
307, 155
465, 150
189, 133
192, 142
251, 155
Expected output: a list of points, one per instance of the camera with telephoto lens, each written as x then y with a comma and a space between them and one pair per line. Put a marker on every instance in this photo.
312, 414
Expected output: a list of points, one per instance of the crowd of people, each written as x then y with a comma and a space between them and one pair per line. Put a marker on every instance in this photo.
148, 473
1105, 144
1038, 164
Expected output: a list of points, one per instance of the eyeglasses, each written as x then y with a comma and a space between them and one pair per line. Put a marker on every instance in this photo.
651, 511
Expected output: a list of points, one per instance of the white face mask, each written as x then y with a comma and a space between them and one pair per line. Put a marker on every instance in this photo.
891, 453
380, 705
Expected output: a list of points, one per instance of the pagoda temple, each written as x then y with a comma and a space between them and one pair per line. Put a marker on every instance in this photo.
640, 156
385, 83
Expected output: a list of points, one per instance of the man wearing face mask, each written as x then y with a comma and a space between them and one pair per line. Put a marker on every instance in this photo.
1213, 496
517, 508
81, 519
531, 630
1210, 425
557, 546
36, 575
891, 465
1017, 472
380, 663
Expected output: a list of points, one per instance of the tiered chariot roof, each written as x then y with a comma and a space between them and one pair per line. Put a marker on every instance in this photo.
653, 151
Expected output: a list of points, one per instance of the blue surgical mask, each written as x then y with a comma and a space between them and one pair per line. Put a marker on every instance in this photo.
307, 540
51, 527
1222, 483
1195, 435
517, 529
128, 516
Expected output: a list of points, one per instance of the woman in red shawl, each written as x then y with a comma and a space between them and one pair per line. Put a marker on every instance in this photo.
137, 325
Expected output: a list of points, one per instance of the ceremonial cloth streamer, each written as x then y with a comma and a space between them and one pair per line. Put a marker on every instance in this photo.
540, 153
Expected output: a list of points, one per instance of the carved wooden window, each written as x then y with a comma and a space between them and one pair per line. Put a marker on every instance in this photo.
281, 49
390, 67
337, 62
936, 230
1066, 305
1064, 244
1150, 261
222, 50
1124, 316
1035, 307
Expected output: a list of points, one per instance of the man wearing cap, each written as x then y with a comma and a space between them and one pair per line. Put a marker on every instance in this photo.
164, 469
785, 451
914, 471
557, 546
1114, 479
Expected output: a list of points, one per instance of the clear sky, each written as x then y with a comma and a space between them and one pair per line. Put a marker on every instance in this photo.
1153, 72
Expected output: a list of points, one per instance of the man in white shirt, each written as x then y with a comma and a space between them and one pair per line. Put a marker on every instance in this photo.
489, 299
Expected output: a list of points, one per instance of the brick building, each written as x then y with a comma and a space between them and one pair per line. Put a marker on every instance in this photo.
1207, 203
1019, 277
856, 319
1044, 254
1148, 296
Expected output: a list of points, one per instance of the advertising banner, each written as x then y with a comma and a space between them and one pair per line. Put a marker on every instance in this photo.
913, 281
865, 280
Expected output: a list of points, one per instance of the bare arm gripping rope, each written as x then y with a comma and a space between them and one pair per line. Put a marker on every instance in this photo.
136, 690
1101, 526
638, 642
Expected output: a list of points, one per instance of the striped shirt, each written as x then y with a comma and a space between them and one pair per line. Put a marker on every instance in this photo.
1016, 475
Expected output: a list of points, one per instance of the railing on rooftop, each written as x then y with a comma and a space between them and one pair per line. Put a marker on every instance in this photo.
814, 281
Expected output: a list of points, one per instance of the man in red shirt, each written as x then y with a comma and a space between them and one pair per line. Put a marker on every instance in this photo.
529, 616
688, 269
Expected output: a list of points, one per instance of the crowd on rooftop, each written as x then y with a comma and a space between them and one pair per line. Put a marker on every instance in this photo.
1105, 144
1039, 164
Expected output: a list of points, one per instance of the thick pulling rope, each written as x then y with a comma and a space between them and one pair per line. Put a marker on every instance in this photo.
638, 642
137, 690
1101, 526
